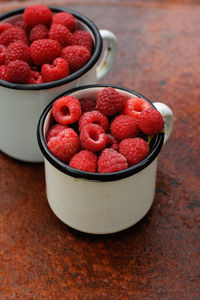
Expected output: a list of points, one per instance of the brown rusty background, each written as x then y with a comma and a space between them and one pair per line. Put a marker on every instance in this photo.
159, 258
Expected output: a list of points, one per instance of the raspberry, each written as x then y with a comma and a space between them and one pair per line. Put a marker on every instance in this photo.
64, 145
44, 51
3, 72
59, 69
93, 116
21, 24
13, 34
93, 137
18, 71
134, 106
76, 56
87, 104
134, 149
35, 77
18, 50
151, 121
61, 34
2, 54
54, 131
110, 102
111, 161
65, 19
84, 160
124, 126
66, 110
112, 142
37, 14
83, 38
4, 26
38, 32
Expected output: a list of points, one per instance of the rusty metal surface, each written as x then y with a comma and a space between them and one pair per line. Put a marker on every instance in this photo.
159, 258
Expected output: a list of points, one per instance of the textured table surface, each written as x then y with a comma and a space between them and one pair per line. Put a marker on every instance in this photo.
158, 258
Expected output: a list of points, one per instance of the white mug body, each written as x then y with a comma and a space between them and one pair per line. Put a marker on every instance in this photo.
101, 203
99, 207
19, 115
22, 104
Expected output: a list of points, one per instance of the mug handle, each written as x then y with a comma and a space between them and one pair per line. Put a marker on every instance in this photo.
168, 117
109, 55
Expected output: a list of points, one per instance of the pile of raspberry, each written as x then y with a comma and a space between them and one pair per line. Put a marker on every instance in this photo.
106, 134
42, 46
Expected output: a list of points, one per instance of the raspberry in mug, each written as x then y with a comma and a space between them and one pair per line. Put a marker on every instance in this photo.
113, 136
50, 44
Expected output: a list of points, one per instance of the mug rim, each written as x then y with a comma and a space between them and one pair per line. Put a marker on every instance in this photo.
64, 168
95, 56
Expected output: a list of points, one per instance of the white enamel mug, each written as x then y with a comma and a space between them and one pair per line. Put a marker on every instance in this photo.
22, 104
101, 203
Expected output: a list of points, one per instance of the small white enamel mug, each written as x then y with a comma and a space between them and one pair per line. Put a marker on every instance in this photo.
101, 203
22, 104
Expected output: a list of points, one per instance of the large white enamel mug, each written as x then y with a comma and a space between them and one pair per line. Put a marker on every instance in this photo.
101, 203
22, 104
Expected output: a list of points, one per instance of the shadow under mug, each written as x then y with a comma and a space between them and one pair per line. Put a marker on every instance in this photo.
22, 104
101, 203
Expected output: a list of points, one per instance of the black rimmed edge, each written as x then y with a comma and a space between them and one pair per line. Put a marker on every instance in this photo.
95, 55
88, 175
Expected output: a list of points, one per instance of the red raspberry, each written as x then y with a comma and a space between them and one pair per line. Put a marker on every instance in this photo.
124, 126
93, 116
112, 142
18, 50
111, 161
37, 14
85, 161
134, 106
151, 121
76, 56
66, 110
64, 145
110, 102
35, 77
2, 54
87, 104
38, 32
61, 34
54, 131
93, 137
18, 71
13, 34
4, 26
44, 51
3, 72
134, 149
83, 38
21, 24
59, 69
65, 19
